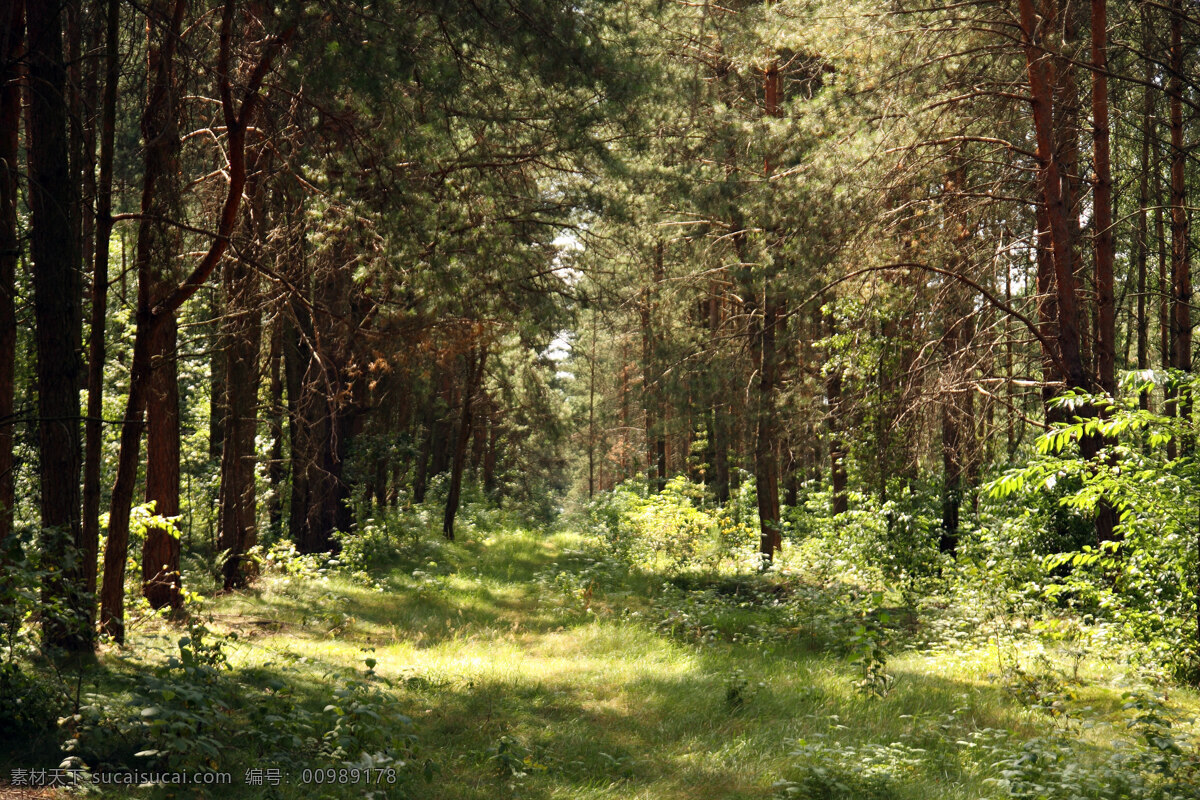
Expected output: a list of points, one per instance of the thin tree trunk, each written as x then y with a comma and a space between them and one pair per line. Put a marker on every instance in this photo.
94, 427
295, 359
1141, 245
766, 461
475, 367
275, 470
591, 447
242, 324
656, 468
837, 448
1102, 204
1181, 276
718, 425
421, 473
12, 31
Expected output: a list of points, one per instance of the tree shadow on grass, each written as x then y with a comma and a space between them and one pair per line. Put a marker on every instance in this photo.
684, 734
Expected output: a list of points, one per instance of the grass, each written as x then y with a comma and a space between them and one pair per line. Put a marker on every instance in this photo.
521, 685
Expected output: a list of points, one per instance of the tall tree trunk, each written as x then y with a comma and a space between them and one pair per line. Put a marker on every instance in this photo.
12, 50
475, 365
275, 470
161, 583
766, 457
242, 333
957, 406
591, 443
217, 411
159, 245
56, 287
441, 431
1102, 205
295, 361
766, 445
1141, 244
421, 473
718, 425
1181, 276
656, 456
837, 446
94, 427
1056, 210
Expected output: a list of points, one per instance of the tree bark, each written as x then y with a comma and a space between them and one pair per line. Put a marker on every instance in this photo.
161, 580
656, 455
242, 333
94, 427
12, 51
58, 321
421, 473
1181, 276
766, 457
275, 470
1141, 244
158, 246
1055, 208
837, 447
475, 365
1102, 204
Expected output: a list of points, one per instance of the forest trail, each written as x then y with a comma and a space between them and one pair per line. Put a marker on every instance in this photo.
533, 667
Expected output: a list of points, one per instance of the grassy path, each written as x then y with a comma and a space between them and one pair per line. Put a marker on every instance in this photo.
520, 687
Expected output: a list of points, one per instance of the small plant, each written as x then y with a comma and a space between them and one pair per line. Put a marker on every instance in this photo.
512, 759
868, 644
739, 691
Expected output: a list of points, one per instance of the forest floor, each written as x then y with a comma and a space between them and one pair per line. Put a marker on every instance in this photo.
531, 666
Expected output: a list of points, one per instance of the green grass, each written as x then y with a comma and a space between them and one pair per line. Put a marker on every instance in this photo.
517, 689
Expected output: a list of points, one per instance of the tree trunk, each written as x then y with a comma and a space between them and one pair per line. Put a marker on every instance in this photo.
160, 550
295, 361
766, 459
837, 448
591, 441
421, 473
1141, 244
242, 332
475, 365
94, 427
159, 244
1055, 208
12, 50
275, 470
651, 390
1102, 205
1181, 276
57, 314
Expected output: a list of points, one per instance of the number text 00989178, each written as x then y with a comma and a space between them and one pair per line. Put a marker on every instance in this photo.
349, 775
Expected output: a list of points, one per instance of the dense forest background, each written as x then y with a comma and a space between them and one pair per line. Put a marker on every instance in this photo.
737, 287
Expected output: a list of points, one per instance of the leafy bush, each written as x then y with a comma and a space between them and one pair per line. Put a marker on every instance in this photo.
1147, 579
668, 530
195, 713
